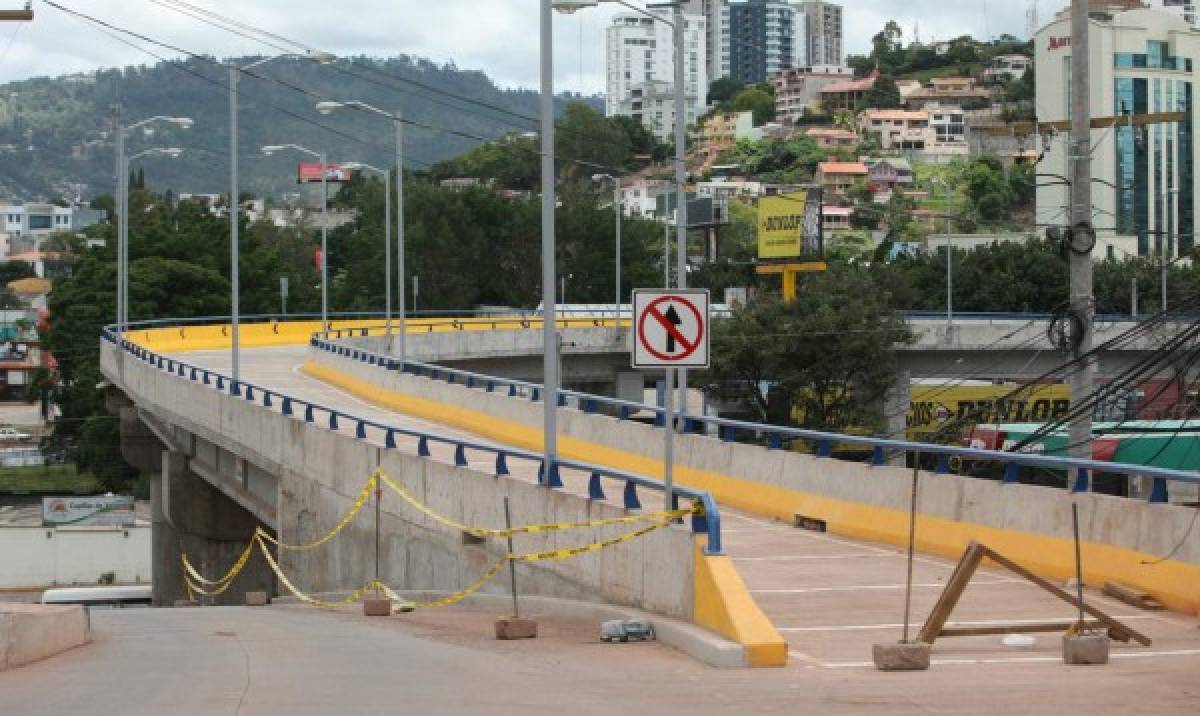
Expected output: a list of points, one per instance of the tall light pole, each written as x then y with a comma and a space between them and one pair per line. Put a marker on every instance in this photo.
235, 73
271, 149
122, 207
549, 268
677, 25
1082, 301
617, 210
387, 233
398, 127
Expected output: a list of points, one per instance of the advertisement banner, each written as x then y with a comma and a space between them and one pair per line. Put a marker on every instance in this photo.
789, 226
937, 408
106, 510
310, 173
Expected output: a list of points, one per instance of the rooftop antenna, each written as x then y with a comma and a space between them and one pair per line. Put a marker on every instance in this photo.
1031, 18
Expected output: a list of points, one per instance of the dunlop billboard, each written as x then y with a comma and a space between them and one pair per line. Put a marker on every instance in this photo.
789, 226
936, 408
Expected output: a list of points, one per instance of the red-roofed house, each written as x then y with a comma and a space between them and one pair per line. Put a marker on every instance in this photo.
846, 95
837, 177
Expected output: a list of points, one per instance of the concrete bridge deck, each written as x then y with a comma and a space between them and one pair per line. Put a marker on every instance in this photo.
831, 597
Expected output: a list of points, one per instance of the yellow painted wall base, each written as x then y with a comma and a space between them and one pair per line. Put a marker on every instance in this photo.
723, 605
1176, 584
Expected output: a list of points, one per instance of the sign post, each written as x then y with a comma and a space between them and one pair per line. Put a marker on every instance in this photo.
671, 331
283, 293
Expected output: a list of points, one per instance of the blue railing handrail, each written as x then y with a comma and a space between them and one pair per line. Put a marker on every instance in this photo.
708, 523
776, 434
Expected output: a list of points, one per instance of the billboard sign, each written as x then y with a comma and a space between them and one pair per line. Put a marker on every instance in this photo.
789, 226
310, 173
107, 510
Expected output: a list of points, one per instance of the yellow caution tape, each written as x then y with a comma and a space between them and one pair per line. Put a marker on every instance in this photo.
569, 552
229, 576
359, 502
669, 515
353, 597
453, 598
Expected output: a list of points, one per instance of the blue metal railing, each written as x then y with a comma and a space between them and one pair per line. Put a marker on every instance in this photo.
727, 430
708, 522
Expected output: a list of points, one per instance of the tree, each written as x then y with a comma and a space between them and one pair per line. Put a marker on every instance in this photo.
724, 90
884, 94
758, 101
824, 361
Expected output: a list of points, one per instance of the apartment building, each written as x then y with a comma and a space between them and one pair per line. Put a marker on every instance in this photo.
798, 90
823, 32
641, 51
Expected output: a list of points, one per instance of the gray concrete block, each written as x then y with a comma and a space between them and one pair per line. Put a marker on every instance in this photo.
509, 628
377, 607
1083, 649
901, 656
257, 599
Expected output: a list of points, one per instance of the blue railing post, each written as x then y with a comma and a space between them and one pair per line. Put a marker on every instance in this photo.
308, 413
501, 465
249, 393
333, 424
1012, 473
728, 434
774, 441
595, 489
287, 406
266, 398
361, 431
631, 496
943, 465
1158, 491
423, 447
460, 456
624, 412
1082, 481
390, 441
878, 457
824, 448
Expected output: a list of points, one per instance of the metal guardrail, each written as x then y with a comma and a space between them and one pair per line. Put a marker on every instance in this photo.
708, 523
727, 430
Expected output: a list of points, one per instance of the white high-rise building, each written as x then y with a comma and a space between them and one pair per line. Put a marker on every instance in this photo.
1143, 62
641, 52
824, 32
1184, 8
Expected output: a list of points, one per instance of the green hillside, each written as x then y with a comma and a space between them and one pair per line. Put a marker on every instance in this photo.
56, 117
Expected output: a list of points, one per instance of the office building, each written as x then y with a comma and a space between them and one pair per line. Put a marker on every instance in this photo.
823, 32
1143, 62
762, 37
641, 54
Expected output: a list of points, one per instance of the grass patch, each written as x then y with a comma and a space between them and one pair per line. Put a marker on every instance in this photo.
46, 479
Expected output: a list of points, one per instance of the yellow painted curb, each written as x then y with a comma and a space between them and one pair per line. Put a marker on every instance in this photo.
722, 604
1176, 584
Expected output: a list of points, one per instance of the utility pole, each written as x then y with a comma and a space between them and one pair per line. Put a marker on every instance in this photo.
1080, 158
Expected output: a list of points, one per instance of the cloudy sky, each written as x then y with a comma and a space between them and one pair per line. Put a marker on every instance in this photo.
496, 36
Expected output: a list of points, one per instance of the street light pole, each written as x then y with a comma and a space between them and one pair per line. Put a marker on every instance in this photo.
549, 319
234, 243
681, 201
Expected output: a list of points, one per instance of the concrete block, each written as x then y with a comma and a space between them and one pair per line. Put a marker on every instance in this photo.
509, 628
257, 599
1085, 649
901, 656
377, 607
32, 632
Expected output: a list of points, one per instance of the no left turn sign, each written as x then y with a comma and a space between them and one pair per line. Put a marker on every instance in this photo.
671, 328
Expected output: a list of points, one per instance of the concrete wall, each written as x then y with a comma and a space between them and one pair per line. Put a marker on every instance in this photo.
32, 632
1030, 524
319, 473
40, 557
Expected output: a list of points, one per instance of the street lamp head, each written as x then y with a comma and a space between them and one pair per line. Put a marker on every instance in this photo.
328, 107
182, 122
172, 152
321, 58
569, 7
271, 149
354, 166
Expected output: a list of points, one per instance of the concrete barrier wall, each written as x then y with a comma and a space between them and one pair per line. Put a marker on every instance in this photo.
1124, 539
38, 557
320, 473
32, 632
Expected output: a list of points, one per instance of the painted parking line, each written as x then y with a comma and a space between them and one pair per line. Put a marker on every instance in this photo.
987, 622
878, 587
1022, 659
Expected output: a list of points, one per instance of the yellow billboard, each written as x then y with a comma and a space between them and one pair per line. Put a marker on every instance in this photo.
934, 408
789, 226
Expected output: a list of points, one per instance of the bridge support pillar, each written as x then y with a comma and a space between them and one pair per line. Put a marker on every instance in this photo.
192, 517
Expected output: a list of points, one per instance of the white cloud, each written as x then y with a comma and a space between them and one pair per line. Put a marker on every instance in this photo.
499, 37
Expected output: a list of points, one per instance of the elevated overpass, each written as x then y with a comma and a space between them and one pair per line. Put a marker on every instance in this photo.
312, 419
